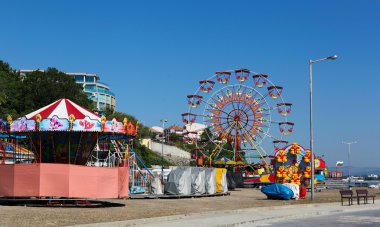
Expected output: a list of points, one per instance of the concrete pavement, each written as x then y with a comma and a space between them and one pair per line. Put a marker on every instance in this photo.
244, 217
356, 218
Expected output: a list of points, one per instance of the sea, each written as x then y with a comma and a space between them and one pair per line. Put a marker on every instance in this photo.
364, 183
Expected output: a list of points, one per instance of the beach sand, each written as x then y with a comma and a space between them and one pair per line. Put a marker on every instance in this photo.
146, 208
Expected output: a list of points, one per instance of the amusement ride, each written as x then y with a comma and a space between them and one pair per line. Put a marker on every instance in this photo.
70, 143
242, 110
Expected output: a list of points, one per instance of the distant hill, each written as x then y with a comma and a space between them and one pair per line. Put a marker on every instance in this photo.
358, 171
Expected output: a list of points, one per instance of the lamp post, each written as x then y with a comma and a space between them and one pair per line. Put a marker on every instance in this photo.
162, 151
349, 152
311, 118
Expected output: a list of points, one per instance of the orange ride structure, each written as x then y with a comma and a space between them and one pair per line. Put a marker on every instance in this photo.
62, 137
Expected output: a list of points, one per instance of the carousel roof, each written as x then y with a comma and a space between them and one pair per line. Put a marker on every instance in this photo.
63, 108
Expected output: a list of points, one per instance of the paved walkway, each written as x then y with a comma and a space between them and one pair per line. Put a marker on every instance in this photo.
244, 217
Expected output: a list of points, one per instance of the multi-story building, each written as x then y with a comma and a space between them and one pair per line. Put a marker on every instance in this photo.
96, 91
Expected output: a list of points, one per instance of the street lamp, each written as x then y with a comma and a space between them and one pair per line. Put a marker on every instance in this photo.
162, 151
349, 152
311, 118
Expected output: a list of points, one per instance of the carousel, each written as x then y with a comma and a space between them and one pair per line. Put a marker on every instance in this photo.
64, 150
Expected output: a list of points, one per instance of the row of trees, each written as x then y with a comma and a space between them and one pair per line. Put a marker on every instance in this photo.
21, 94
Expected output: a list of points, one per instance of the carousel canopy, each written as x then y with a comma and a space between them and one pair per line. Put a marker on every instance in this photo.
63, 108
66, 115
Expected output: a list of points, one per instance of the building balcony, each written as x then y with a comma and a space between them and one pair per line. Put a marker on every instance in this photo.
104, 84
96, 90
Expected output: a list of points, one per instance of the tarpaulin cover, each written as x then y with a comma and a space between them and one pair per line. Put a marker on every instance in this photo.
155, 186
179, 181
295, 188
238, 178
221, 180
230, 181
198, 180
277, 191
210, 180
137, 190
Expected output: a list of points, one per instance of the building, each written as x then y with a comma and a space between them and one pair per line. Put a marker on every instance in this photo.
195, 130
335, 174
96, 91
373, 176
176, 129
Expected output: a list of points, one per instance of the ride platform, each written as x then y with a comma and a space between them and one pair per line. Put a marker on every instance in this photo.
146, 196
56, 202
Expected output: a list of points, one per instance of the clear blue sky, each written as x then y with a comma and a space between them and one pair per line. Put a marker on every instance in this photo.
153, 53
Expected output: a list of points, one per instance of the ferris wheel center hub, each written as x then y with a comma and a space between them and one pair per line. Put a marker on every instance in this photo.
237, 118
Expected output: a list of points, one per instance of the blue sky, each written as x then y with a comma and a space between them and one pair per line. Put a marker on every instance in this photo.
153, 53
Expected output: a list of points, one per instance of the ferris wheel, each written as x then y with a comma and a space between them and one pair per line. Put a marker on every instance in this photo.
241, 111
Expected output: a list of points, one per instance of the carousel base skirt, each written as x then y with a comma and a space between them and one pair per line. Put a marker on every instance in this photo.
63, 180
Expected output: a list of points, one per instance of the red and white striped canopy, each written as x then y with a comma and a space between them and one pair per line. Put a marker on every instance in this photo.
63, 108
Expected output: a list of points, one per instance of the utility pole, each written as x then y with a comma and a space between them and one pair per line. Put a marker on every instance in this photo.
349, 163
162, 151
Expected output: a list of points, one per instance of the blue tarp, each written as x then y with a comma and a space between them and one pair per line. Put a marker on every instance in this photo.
137, 190
277, 191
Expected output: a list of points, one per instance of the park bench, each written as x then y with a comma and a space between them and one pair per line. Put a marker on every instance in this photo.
363, 193
347, 194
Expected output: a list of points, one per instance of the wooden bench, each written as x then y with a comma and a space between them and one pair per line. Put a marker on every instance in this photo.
347, 194
363, 193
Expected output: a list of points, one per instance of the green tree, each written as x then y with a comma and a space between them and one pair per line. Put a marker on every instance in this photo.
2, 89
174, 138
20, 95
3, 76
10, 91
43, 88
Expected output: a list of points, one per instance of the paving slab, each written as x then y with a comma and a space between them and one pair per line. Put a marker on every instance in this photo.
242, 217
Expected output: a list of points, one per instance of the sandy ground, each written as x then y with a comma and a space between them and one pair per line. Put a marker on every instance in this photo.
146, 208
